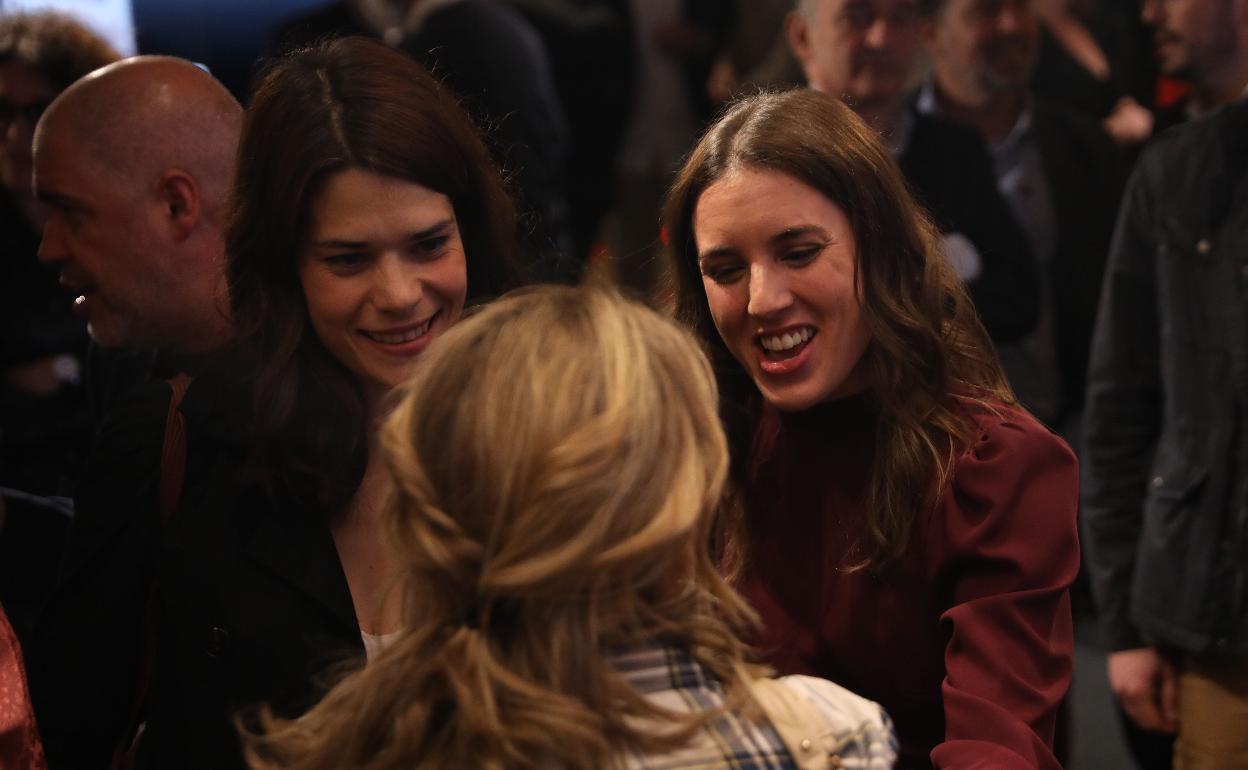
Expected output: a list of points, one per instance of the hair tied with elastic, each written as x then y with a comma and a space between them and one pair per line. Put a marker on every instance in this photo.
474, 613
482, 614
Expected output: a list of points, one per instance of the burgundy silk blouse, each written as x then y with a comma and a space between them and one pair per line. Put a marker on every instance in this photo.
967, 640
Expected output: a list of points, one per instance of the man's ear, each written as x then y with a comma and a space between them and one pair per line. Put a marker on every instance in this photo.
180, 201
797, 31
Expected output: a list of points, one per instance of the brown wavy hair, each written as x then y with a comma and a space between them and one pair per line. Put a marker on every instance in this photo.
928, 348
57, 46
349, 103
557, 462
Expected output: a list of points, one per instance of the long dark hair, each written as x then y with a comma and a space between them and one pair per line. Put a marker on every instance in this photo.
349, 103
927, 345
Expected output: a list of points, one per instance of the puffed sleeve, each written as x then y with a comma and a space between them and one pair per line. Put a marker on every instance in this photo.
1004, 551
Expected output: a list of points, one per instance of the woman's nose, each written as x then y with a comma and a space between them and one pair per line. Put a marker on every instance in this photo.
769, 290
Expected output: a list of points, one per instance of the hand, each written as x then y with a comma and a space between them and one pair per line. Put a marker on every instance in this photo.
1049, 9
38, 378
1147, 687
1129, 124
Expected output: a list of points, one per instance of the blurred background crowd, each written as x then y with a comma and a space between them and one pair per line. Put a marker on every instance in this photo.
1015, 123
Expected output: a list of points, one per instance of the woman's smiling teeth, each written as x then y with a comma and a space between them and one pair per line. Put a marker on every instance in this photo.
783, 343
398, 338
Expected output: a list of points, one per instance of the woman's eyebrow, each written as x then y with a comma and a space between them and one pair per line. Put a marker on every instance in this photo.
335, 243
344, 243
718, 251
784, 236
432, 230
801, 231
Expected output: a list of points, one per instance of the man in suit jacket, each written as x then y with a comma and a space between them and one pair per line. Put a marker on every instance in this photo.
134, 163
1059, 171
864, 52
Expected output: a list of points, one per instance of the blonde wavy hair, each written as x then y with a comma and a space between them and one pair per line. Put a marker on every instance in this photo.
557, 461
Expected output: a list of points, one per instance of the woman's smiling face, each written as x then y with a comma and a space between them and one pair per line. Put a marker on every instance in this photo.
383, 273
778, 263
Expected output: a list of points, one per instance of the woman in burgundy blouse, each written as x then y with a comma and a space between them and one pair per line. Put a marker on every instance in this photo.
904, 527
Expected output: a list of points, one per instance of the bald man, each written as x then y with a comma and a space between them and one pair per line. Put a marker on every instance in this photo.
134, 163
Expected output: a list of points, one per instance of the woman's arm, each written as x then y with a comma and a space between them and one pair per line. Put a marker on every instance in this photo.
1004, 551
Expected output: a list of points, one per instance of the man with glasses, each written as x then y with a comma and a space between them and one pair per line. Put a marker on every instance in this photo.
1060, 172
864, 52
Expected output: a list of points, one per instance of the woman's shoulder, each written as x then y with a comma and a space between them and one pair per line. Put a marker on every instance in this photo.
1014, 482
835, 703
848, 724
1007, 434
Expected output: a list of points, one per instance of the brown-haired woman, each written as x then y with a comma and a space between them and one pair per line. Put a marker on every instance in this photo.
558, 461
366, 213
908, 530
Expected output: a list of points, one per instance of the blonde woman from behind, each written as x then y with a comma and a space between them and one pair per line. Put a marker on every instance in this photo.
556, 461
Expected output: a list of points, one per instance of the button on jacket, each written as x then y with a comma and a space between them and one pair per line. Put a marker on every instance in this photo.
1166, 439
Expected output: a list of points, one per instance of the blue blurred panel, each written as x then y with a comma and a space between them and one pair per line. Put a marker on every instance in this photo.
228, 36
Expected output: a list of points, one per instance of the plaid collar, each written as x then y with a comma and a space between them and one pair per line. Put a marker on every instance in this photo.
659, 667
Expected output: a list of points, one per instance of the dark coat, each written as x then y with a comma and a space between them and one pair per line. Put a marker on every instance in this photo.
490, 56
1084, 170
250, 599
592, 55
715, 18
951, 174
1164, 484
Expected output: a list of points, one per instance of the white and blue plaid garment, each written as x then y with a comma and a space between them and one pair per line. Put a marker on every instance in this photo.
671, 678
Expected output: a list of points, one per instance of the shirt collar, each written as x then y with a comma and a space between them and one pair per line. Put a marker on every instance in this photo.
1019, 133
657, 667
898, 139
926, 102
